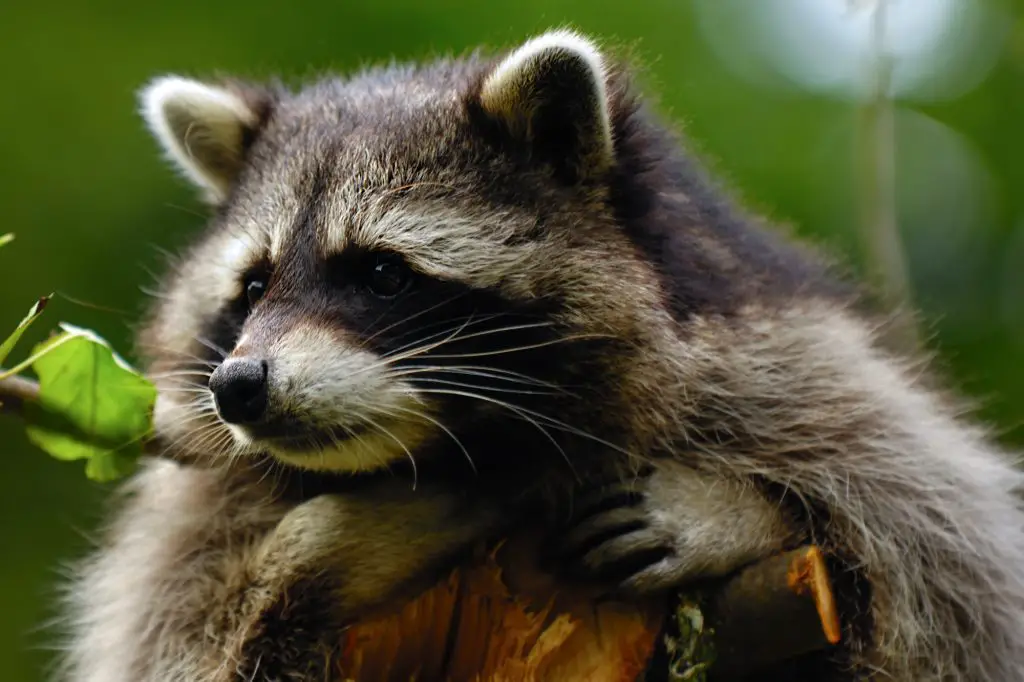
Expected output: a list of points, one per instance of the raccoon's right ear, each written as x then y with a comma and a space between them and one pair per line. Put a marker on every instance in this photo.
549, 99
205, 129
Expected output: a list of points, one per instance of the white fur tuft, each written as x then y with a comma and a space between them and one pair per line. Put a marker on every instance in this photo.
200, 128
507, 78
565, 40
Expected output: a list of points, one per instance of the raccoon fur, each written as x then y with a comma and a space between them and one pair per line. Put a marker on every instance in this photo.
436, 302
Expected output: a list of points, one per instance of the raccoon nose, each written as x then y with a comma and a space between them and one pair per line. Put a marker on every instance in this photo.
239, 387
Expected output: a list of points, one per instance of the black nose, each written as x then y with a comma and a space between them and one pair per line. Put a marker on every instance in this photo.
239, 387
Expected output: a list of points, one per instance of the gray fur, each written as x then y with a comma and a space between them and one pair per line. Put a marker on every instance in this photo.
694, 359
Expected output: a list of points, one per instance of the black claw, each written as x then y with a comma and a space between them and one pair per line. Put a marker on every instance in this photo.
615, 499
556, 552
567, 560
622, 569
603, 535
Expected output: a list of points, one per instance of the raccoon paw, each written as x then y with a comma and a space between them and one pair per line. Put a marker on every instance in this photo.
615, 538
666, 528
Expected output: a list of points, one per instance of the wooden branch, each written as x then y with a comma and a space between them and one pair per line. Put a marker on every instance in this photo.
766, 613
498, 619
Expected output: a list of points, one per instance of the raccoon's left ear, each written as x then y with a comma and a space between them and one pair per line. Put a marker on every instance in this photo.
549, 97
205, 129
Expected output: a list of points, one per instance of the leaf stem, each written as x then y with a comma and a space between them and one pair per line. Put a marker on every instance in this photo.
29, 361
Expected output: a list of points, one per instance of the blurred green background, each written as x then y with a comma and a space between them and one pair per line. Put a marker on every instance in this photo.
761, 87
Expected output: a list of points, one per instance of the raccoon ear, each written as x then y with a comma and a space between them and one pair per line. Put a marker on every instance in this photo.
549, 96
204, 129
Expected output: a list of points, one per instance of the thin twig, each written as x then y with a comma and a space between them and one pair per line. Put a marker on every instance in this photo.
880, 227
15, 392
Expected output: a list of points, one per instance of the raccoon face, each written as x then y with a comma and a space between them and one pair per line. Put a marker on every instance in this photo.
409, 258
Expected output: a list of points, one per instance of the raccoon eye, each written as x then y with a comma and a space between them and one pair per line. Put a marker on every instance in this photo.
255, 287
390, 277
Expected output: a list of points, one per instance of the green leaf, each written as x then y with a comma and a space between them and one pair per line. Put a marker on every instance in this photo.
6, 239
92, 404
692, 650
8, 345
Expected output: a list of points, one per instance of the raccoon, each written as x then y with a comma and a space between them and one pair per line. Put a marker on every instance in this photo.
437, 302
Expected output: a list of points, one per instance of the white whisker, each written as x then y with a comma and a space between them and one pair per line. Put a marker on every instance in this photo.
470, 320
438, 424
412, 460
177, 373
186, 390
413, 316
211, 345
550, 421
461, 384
515, 409
516, 349
477, 371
